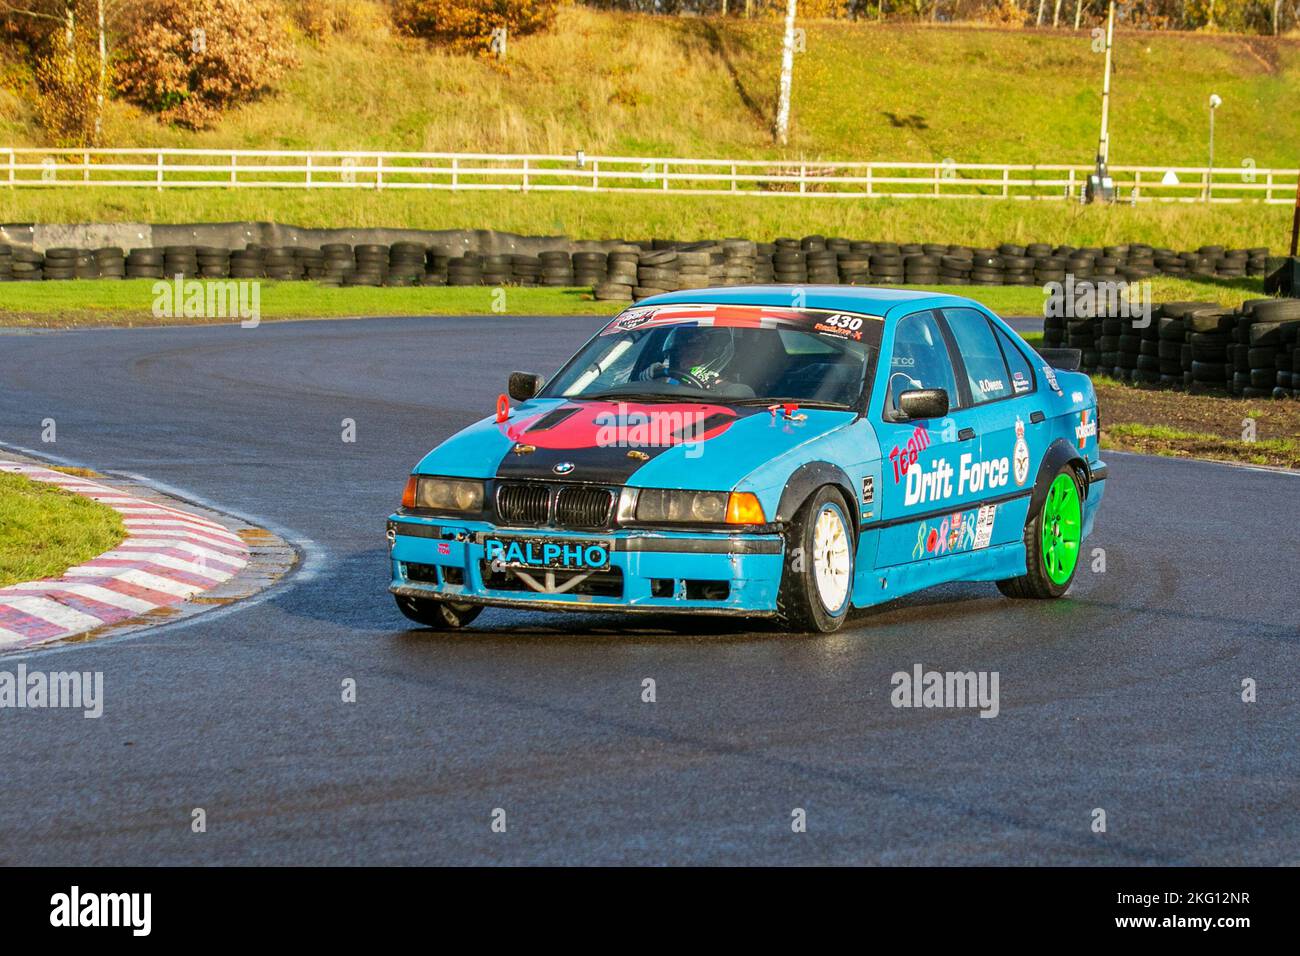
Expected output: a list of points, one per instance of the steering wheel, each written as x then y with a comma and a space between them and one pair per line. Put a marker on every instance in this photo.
683, 376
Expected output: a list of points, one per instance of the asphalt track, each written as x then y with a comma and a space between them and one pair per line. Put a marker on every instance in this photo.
1124, 697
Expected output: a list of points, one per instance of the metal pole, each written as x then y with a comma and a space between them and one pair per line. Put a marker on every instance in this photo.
1209, 173
1295, 218
1103, 148
1099, 187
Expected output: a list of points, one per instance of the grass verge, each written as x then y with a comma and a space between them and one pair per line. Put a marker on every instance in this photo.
1180, 425
45, 530
630, 216
92, 302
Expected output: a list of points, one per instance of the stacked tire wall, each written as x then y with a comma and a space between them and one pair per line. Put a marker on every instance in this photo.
622, 271
1249, 352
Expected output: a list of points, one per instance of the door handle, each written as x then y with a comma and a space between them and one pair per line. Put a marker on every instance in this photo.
965, 434
1036, 417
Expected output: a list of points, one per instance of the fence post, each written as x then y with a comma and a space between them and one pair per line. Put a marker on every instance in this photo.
936, 180
803, 172
85, 167
234, 174
665, 180
870, 186
13, 160
379, 172
160, 171
595, 174
733, 177
308, 171
1006, 182
525, 174
455, 173
1268, 187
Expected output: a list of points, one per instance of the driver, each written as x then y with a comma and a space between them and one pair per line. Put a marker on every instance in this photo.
694, 355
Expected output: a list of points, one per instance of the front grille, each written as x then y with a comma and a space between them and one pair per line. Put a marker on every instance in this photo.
583, 507
580, 507
524, 504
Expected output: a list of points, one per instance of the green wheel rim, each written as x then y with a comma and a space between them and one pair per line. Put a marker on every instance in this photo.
1062, 529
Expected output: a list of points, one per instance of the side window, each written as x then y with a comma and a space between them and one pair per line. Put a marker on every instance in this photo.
920, 359
1022, 373
979, 349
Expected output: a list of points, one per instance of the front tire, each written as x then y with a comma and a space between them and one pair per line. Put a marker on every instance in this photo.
1053, 540
817, 585
439, 615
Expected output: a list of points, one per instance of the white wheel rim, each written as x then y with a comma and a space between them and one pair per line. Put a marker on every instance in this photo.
831, 560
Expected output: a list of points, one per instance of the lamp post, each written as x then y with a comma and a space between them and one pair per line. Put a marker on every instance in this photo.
1100, 187
1215, 102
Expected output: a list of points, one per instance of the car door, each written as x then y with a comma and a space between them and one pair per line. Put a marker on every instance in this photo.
1002, 387
923, 462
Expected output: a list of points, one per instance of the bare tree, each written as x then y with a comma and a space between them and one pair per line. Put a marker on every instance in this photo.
62, 15
787, 78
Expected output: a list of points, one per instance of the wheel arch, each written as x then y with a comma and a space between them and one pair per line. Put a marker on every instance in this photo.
806, 479
1060, 452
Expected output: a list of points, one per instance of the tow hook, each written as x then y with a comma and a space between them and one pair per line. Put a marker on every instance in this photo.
789, 411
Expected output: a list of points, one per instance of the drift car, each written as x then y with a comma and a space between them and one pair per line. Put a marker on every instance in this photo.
761, 451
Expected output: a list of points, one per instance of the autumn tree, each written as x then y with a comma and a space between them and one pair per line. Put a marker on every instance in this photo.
189, 59
472, 24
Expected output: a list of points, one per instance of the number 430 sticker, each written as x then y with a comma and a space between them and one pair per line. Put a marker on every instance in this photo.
841, 324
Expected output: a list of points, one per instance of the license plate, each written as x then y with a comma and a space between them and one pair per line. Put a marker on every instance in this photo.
548, 554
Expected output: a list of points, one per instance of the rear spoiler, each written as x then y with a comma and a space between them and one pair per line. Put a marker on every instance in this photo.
1067, 360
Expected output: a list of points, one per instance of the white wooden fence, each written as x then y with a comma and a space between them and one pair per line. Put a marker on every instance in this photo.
24, 167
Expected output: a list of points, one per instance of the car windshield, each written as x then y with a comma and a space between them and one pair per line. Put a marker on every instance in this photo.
732, 354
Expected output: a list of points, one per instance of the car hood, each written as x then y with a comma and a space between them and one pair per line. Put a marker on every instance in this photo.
655, 444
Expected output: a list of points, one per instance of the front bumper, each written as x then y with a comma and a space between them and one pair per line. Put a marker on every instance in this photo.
700, 572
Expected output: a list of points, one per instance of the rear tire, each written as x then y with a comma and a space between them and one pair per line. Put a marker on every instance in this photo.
439, 615
817, 584
1053, 541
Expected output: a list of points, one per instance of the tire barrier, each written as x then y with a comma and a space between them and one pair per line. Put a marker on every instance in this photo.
1250, 352
623, 271
669, 267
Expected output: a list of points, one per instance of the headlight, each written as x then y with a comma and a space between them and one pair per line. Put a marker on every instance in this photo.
449, 494
671, 505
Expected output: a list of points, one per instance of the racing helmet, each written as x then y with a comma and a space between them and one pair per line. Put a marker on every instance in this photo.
703, 350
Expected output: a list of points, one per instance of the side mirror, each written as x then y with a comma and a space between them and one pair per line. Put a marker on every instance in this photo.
924, 403
524, 385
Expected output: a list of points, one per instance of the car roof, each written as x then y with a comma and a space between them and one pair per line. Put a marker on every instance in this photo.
865, 299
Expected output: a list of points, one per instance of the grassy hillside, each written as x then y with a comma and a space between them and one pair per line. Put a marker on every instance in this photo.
689, 86
705, 87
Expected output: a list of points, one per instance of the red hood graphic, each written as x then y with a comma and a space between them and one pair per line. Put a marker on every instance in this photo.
620, 424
